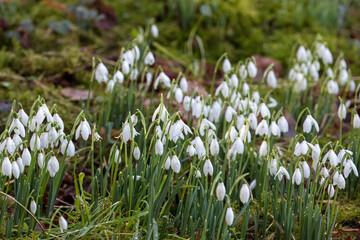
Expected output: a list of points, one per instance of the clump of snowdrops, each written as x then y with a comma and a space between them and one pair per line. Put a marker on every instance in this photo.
218, 166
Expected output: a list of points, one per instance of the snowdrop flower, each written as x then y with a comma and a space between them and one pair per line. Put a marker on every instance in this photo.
162, 111
63, 224
252, 70
33, 207
240, 120
301, 148
245, 89
301, 54
263, 149
44, 140
262, 129
167, 163
229, 113
137, 153
179, 95
342, 153
314, 72
162, 78
333, 158
154, 31
223, 88
342, 111
324, 172
214, 147
352, 86
149, 59
253, 184
69, 147
186, 103
134, 74
273, 167
6, 167
191, 150
296, 177
356, 121
34, 142
125, 67
84, 130
234, 81
196, 106
8, 145
220, 191
101, 73
332, 87
184, 84
229, 217
243, 72
339, 180
264, 110
128, 133
175, 164
18, 127
110, 86
343, 77
23, 117
283, 124
271, 79
199, 147
226, 67
238, 146
159, 148
17, 141
273, 103
244, 194
40, 160
252, 121
26, 157
331, 190
208, 168
59, 122
308, 123
274, 129
348, 167
118, 77
305, 169
327, 57
198, 174
15, 170
281, 173
53, 166
244, 132
20, 164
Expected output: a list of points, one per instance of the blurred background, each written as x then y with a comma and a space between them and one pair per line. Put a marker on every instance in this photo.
47, 46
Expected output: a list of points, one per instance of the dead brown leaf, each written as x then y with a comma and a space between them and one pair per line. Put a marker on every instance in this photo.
76, 94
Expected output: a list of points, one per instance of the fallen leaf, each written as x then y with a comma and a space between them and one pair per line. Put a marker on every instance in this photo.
76, 94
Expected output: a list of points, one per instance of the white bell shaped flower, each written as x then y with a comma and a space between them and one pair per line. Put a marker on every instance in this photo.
15, 170
281, 173
184, 84
301, 54
273, 167
26, 157
118, 77
262, 129
305, 169
271, 79
208, 168
20, 164
301, 148
84, 130
283, 124
159, 147
252, 70
33, 207
63, 224
40, 160
333, 158
349, 166
6, 167
220, 191
229, 216
154, 31
149, 59
35, 142
342, 111
23, 117
53, 166
356, 121
175, 164
333, 87
296, 177
308, 123
226, 67
137, 153
101, 73
244, 194
274, 129
263, 149
214, 147
128, 133
331, 190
